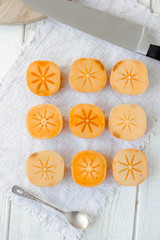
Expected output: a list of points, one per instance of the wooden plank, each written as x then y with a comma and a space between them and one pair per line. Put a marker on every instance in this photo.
94, 233
15, 11
148, 224
24, 226
5, 208
118, 218
147, 3
155, 6
10, 45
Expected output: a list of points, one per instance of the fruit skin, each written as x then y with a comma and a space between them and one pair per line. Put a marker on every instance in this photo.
89, 153
59, 121
52, 88
36, 179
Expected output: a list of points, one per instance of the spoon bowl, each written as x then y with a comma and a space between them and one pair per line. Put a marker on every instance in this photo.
78, 219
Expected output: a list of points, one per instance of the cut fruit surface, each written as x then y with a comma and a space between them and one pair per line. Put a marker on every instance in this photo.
129, 77
45, 168
87, 75
127, 121
44, 121
89, 168
129, 167
43, 78
86, 121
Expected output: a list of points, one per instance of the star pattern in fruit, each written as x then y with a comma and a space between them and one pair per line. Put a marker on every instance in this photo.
87, 120
87, 75
44, 121
89, 168
127, 122
44, 169
42, 78
129, 167
129, 77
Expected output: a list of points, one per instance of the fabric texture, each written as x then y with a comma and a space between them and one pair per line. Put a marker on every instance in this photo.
62, 44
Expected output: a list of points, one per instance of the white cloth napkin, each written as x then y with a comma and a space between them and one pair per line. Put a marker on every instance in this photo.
62, 44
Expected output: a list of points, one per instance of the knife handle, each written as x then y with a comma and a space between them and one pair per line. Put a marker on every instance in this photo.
154, 52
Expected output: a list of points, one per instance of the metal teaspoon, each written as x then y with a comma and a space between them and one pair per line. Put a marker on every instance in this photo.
77, 219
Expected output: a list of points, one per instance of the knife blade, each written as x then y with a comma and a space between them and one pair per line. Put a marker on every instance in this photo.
110, 28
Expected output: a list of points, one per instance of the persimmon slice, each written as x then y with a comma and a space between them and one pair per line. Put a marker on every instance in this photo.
129, 167
86, 121
43, 78
127, 121
44, 121
45, 168
87, 75
129, 77
89, 168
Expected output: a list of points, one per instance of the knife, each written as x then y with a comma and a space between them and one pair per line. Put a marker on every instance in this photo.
110, 28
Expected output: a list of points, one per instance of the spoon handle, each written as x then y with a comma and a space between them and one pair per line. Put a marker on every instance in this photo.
21, 192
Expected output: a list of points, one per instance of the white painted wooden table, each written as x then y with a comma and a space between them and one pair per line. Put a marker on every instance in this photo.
132, 213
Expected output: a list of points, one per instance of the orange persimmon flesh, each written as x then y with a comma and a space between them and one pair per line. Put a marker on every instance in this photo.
129, 77
129, 167
127, 121
45, 168
89, 168
43, 78
87, 75
86, 121
44, 121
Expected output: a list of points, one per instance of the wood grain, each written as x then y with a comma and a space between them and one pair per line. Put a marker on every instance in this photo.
147, 3
155, 6
5, 209
119, 212
148, 212
16, 12
25, 226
